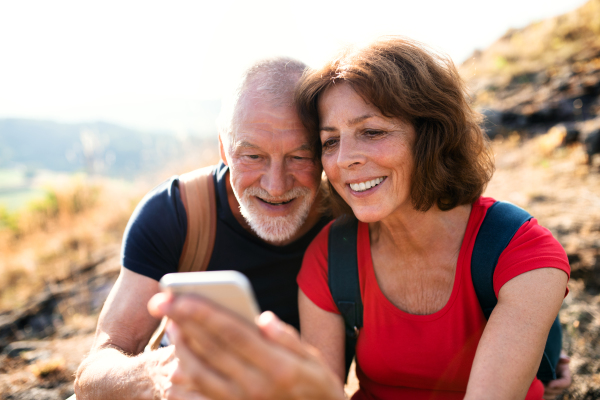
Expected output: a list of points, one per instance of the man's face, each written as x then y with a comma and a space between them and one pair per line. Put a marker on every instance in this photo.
273, 171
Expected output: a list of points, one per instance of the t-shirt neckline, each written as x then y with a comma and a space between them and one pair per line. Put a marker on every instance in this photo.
461, 264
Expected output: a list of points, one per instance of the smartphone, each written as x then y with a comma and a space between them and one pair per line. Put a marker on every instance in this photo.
228, 289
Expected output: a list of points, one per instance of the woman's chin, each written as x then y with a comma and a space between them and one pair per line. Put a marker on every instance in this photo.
368, 215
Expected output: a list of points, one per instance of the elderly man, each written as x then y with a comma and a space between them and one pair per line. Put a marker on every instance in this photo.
268, 211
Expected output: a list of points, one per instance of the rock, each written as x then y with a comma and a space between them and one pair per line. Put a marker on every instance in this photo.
38, 319
492, 122
16, 348
37, 394
592, 145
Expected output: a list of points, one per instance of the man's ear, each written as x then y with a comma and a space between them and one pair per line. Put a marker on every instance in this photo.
222, 150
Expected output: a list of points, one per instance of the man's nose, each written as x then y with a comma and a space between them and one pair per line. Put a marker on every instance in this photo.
350, 153
275, 180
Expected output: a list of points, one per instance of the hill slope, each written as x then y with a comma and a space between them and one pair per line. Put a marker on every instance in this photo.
543, 74
97, 147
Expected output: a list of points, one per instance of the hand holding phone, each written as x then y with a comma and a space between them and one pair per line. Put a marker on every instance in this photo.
228, 289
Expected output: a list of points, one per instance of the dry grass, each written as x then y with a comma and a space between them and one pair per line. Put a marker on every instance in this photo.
44, 241
45, 368
564, 42
78, 220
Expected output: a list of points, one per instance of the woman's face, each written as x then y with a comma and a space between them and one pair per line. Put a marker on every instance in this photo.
366, 156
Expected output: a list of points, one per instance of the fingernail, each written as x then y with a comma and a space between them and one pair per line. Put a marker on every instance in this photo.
161, 302
269, 322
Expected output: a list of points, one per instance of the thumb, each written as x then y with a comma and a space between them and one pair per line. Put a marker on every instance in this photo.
278, 332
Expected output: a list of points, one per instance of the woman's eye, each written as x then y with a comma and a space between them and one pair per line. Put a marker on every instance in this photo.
373, 133
329, 143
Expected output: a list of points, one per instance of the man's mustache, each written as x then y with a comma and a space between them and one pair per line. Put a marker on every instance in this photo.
287, 196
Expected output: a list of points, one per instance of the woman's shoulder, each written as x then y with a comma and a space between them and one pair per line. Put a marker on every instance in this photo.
484, 202
532, 247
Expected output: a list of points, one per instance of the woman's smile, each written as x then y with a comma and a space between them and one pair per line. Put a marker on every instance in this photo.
366, 185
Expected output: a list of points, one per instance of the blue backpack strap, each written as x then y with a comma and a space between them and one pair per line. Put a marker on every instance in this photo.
499, 226
343, 279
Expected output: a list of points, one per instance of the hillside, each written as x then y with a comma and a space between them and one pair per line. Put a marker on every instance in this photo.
95, 148
539, 88
541, 75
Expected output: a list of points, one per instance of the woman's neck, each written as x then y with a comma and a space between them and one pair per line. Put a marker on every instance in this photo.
417, 232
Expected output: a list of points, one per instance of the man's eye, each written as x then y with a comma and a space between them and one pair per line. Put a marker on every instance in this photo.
253, 156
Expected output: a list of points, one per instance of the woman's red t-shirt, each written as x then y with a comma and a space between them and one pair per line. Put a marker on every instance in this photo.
402, 355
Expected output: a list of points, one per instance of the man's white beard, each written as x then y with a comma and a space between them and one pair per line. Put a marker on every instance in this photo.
275, 229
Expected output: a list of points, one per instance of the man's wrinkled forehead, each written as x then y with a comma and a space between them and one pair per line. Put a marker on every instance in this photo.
260, 120
246, 143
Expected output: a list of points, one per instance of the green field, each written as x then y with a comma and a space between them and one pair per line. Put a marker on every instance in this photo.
15, 200
15, 191
11, 177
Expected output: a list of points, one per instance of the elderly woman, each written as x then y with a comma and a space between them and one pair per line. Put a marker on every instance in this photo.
403, 150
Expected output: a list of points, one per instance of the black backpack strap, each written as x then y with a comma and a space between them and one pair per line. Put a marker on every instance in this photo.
343, 279
499, 226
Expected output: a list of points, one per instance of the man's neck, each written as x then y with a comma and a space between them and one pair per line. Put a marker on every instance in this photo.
313, 216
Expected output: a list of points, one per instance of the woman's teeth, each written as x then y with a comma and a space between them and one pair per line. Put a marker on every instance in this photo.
362, 186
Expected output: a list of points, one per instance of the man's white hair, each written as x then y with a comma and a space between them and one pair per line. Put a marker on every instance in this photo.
272, 80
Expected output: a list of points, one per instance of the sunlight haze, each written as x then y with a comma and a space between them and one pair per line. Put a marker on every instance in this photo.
159, 66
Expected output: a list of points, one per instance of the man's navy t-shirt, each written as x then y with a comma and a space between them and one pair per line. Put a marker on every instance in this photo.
154, 238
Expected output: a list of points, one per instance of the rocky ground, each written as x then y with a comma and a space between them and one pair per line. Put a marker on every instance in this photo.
44, 341
564, 195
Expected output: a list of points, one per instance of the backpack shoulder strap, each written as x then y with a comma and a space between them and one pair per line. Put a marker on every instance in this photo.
197, 189
500, 224
343, 279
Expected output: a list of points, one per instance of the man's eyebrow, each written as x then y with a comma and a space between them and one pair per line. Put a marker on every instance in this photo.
304, 147
246, 145
353, 121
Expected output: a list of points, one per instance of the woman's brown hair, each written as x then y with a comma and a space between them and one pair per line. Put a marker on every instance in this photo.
452, 158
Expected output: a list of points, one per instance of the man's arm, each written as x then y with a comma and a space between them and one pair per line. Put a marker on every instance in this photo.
116, 368
563, 378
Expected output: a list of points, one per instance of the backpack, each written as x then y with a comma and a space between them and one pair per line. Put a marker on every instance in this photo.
500, 224
197, 190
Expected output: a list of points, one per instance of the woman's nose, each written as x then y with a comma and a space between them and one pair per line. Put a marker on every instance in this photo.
349, 153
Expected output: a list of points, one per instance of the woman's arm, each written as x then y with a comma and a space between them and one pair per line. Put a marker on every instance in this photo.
512, 344
325, 331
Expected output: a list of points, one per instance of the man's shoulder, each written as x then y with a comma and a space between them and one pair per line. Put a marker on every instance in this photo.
167, 195
155, 234
163, 196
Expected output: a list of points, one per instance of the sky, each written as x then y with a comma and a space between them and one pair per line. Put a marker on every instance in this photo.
160, 66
